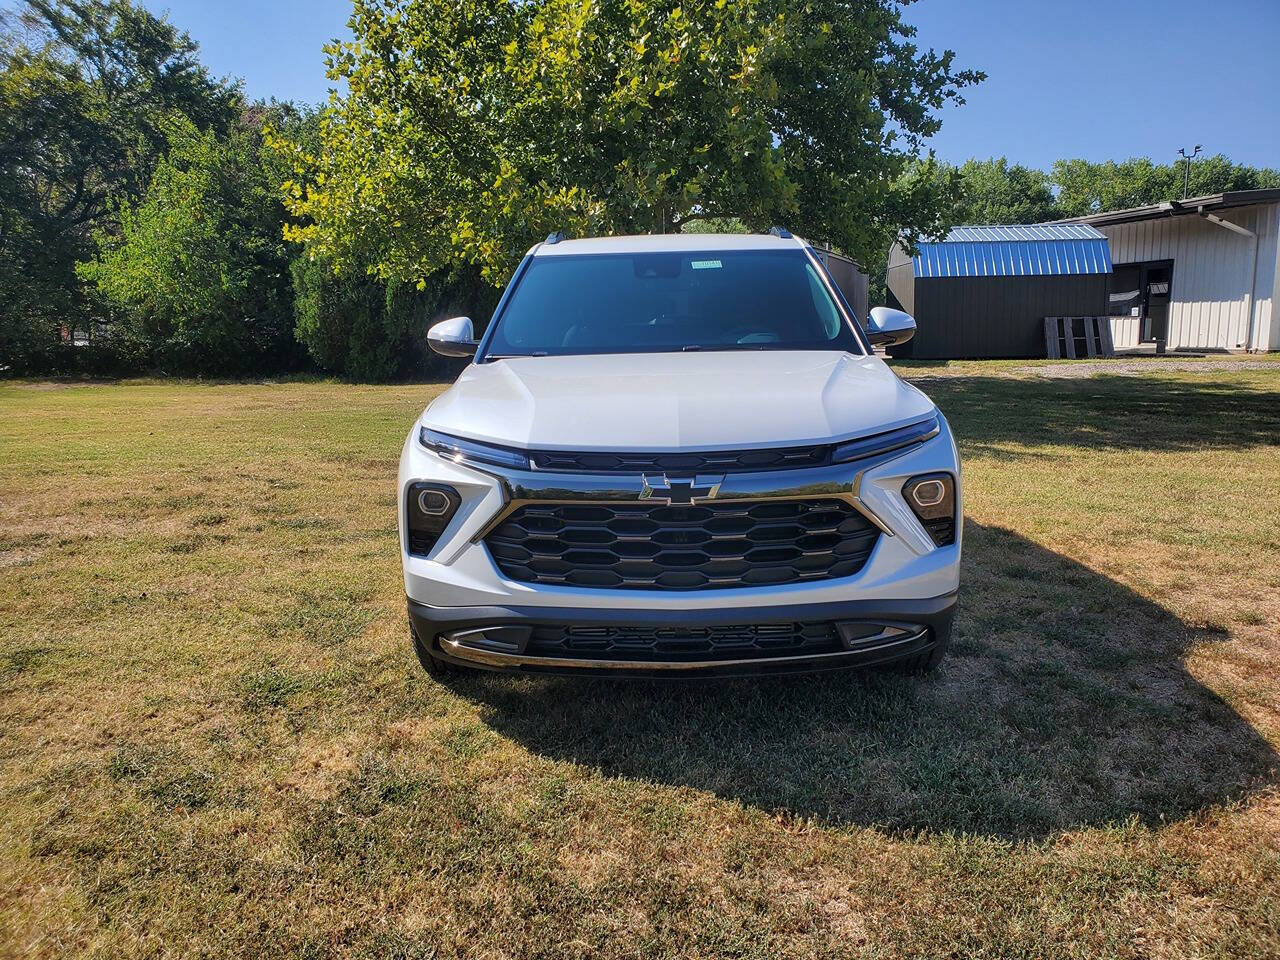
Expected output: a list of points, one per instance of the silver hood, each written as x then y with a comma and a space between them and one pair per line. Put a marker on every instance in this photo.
676, 401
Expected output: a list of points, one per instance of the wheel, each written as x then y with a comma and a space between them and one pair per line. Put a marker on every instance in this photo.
436, 668
928, 660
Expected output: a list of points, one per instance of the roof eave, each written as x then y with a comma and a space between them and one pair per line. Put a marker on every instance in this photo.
1175, 208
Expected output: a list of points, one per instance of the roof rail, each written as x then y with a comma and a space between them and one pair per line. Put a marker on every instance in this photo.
781, 232
555, 237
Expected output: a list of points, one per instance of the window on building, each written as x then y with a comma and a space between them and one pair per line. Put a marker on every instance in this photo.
1125, 290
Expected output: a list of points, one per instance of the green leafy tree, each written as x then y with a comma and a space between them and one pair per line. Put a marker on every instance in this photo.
1085, 187
339, 317
358, 327
468, 129
199, 269
85, 88
363, 328
715, 225
997, 192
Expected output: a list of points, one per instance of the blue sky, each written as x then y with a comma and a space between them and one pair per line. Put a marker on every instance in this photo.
1100, 79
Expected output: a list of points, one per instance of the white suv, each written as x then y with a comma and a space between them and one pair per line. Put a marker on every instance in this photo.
677, 455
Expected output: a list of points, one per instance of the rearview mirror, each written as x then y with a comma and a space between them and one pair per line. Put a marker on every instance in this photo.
453, 338
888, 326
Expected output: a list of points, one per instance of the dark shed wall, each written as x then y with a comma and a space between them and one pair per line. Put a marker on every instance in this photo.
849, 278
900, 279
996, 316
900, 282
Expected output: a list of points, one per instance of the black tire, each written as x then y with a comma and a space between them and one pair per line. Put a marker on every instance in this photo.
436, 668
928, 660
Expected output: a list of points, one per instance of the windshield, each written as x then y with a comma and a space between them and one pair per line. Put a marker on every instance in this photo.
663, 302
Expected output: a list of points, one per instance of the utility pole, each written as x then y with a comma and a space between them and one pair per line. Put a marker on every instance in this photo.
1186, 176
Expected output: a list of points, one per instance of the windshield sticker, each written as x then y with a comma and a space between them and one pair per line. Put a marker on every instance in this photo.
707, 264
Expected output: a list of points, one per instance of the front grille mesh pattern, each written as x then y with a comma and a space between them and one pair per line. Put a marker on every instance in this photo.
715, 545
724, 461
684, 643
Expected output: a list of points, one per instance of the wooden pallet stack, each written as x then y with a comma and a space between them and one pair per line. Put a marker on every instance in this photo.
1073, 337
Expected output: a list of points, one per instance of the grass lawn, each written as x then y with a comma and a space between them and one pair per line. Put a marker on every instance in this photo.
215, 740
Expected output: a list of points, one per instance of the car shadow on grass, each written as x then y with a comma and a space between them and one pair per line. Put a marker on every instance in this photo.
1065, 702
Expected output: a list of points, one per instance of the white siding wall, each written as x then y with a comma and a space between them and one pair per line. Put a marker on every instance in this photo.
1211, 267
1267, 325
1125, 332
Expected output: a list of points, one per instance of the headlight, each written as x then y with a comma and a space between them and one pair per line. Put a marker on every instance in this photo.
932, 498
884, 442
455, 448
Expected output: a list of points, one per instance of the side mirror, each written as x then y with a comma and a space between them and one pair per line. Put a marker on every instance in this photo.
453, 338
889, 326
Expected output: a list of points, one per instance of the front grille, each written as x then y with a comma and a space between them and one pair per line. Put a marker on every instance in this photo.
723, 461
680, 643
639, 546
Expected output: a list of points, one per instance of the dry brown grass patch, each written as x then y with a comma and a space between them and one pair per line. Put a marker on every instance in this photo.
215, 740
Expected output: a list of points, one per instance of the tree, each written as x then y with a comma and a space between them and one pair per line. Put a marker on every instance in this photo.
85, 90
471, 128
1085, 187
199, 269
995, 192
358, 327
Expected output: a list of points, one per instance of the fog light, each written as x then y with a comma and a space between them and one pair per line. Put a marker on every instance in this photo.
434, 503
428, 509
932, 498
929, 493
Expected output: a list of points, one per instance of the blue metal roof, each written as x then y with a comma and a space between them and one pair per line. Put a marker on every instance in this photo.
1033, 250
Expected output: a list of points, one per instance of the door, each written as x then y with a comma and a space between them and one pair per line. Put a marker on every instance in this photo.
1143, 291
1156, 286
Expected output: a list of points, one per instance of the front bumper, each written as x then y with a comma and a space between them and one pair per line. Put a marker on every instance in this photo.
457, 592
460, 572
496, 638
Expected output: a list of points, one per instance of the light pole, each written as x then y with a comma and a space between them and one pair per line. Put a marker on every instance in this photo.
1186, 176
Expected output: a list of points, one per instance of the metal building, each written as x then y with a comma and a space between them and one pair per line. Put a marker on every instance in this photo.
985, 291
1195, 274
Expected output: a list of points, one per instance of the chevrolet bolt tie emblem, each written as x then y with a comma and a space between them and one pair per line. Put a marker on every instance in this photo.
679, 490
